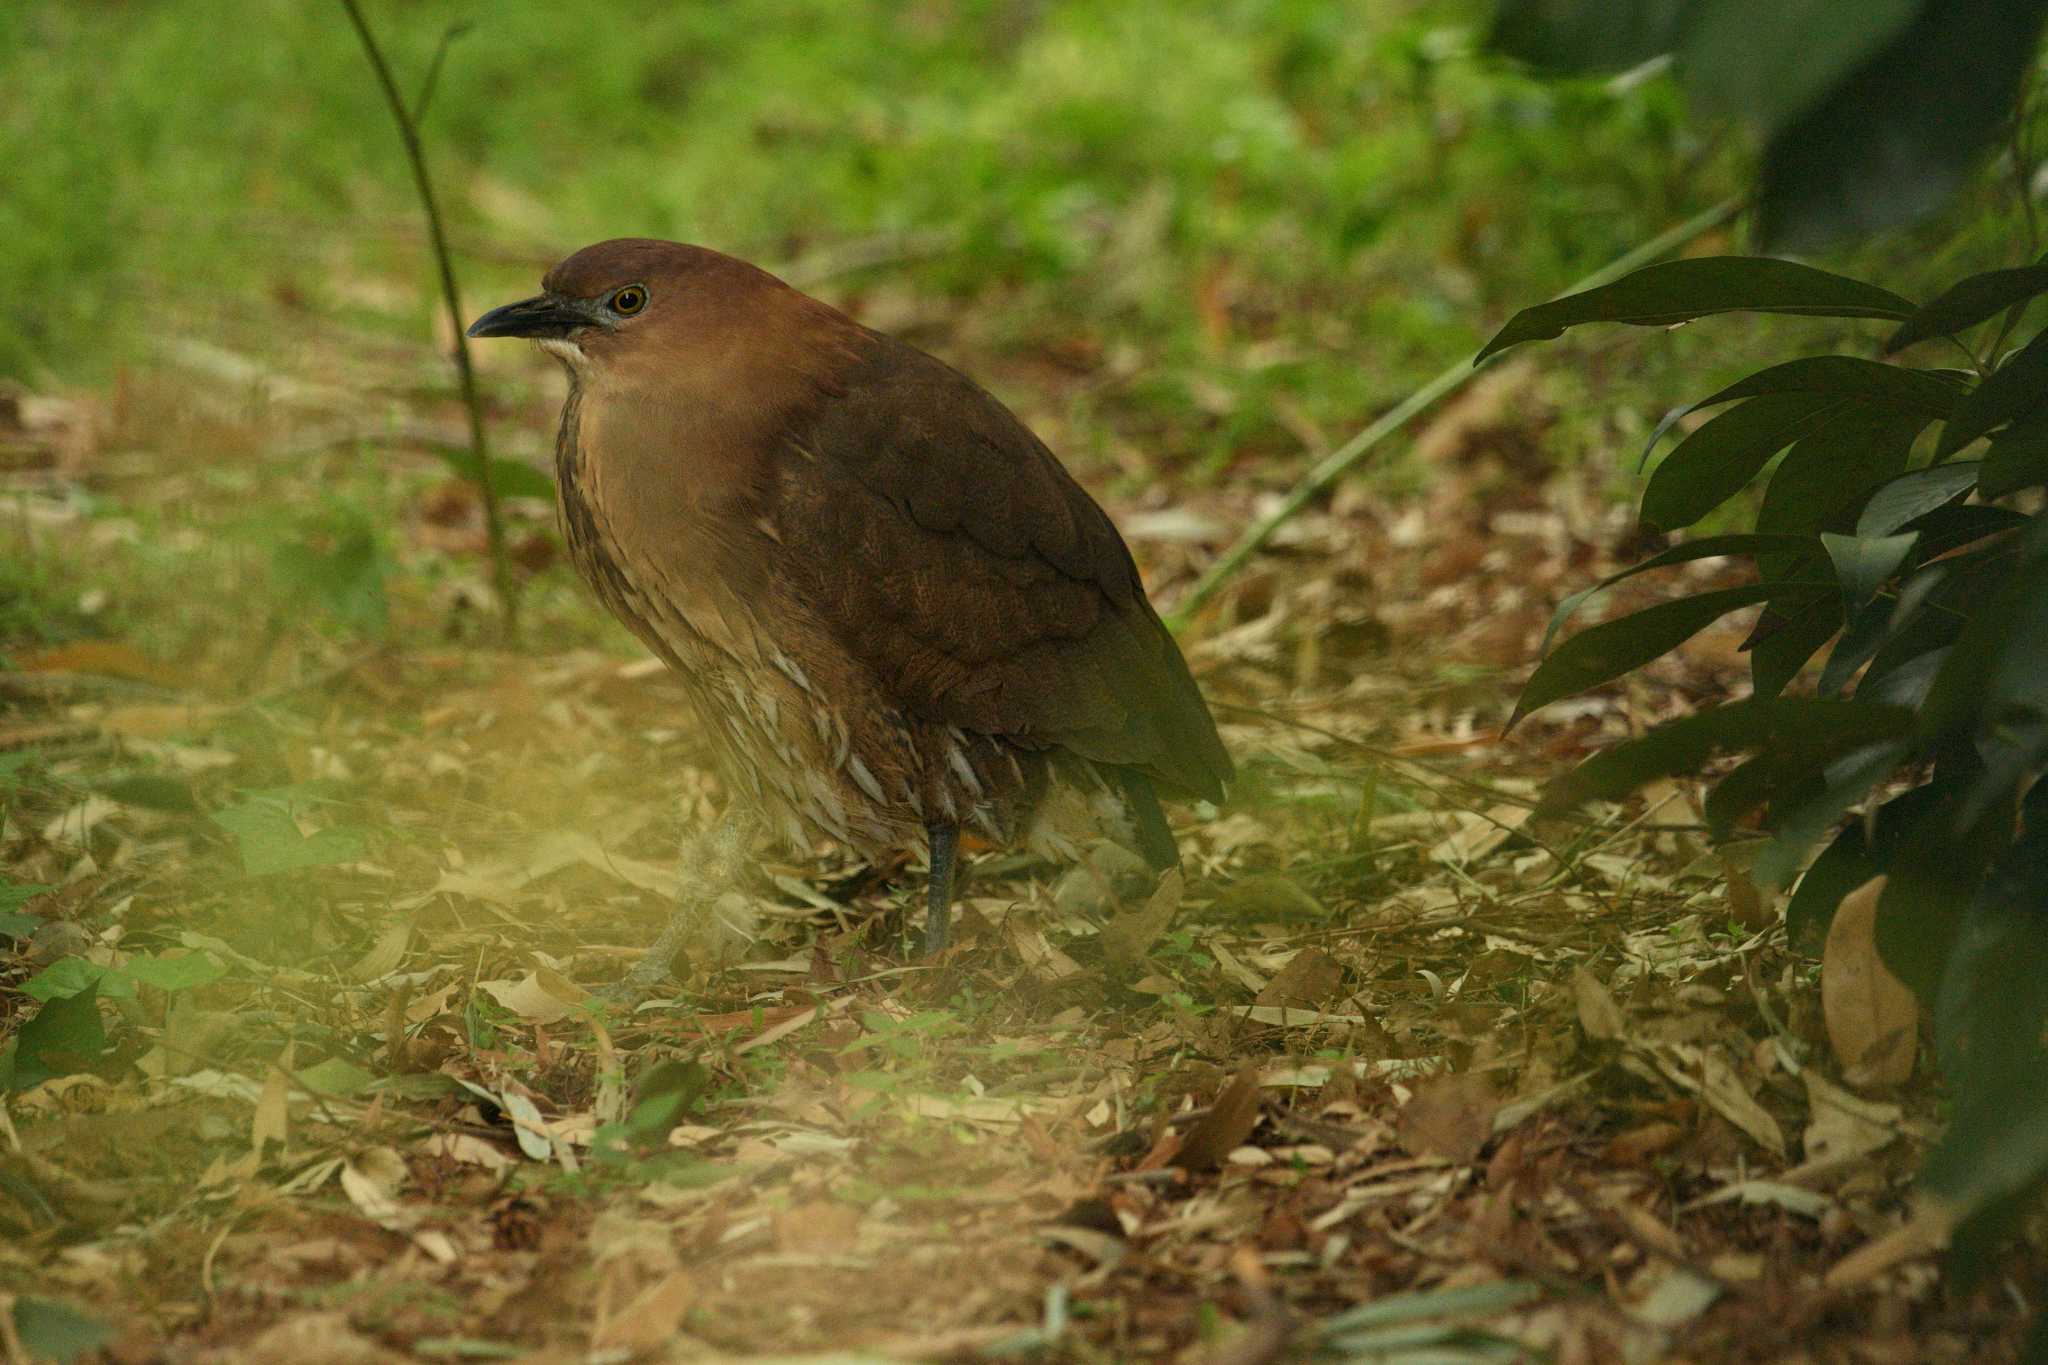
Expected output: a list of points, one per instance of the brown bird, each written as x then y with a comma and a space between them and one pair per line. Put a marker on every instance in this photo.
896, 612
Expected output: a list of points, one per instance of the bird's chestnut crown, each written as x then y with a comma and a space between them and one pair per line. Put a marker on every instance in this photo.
603, 287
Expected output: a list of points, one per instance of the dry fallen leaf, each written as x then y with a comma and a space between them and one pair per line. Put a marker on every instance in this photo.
1310, 980
1872, 1018
1600, 1018
1449, 1117
1218, 1133
1125, 938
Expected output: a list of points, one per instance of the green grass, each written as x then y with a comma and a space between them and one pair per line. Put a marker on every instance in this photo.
1353, 190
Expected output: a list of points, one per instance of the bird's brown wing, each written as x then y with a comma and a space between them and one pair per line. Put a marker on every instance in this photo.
949, 552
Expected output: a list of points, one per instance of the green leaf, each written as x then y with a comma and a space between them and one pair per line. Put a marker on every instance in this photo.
335, 1076
181, 973
1582, 38
1930, 392
13, 925
2016, 458
1847, 781
1769, 61
1787, 635
1604, 652
2015, 389
1844, 865
346, 580
509, 478
1816, 728
1894, 141
1829, 474
55, 1331
14, 895
1914, 495
65, 1037
270, 840
1979, 298
1863, 564
1715, 462
1679, 291
1706, 547
67, 976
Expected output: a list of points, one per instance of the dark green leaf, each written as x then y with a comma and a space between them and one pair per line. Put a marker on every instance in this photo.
1770, 61
1969, 302
1843, 866
1706, 547
1816, 727
1860, 642
1863, 564
65, 1037
1678, 291
1798, 627
15, 925
1604, 652
1848, 780
2016, 458
1932, 393
1893, 141
1715, 462
1935, 873
2011, 391
1947, 529
1914, 495
1827, 476
54, 1331
1577, 37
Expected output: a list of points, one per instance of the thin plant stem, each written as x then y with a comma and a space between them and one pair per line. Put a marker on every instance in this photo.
1454, 377
480, 474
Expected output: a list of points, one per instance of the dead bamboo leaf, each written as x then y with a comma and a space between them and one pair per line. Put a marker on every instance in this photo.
1599, 1016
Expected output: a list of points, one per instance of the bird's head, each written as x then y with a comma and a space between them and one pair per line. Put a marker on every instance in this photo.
633, 298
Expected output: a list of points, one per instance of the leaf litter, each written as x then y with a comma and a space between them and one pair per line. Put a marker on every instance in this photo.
1400, 1066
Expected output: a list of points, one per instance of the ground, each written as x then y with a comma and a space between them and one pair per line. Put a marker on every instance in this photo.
309, 875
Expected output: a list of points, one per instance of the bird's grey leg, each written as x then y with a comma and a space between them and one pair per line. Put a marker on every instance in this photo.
938, 911
711, 863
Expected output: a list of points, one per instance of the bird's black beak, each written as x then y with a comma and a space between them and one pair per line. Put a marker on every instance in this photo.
543, 316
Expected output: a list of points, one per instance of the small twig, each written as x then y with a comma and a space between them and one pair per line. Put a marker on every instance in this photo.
1339, 461
433, 76
408, 132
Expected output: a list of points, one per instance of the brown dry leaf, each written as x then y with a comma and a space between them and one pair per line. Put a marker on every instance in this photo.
157, 722
1224, 1128
1872, 1019
1600, 1018
107, 659
1844, 1126
651, 1318
273, 1109
1267, 897
1450, 1117
542, 996
1311, 979
819, 1225
1036, 952
1479, 834
1126, 938
1724, 1091
385, 954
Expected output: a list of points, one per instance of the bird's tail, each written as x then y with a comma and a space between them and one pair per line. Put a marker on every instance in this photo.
1155, 836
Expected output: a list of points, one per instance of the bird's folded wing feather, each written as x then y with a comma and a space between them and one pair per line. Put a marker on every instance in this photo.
945, 548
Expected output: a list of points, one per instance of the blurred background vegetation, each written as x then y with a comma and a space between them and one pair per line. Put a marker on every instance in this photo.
1208, 241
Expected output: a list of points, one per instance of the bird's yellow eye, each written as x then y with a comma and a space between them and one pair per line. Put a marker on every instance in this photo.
629, 300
